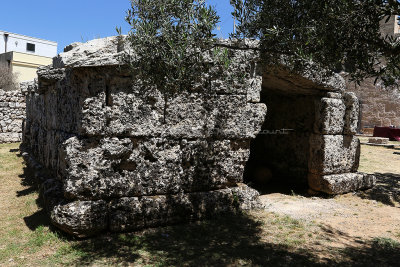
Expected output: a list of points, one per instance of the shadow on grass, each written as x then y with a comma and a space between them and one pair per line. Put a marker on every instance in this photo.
30, 181
228, 240
386, 191
231, 241
376, 252
354, 251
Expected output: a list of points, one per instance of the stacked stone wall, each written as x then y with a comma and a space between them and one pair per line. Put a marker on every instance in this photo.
380, 106
112, 155
117, 159
12, 114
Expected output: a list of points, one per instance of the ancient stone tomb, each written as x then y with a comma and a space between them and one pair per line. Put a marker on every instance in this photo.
109, 157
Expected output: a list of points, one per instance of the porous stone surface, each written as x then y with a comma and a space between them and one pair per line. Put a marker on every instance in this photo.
97, 52
352, 113
81, 218
378, 140
12, 114
138, 212
329, 116
118, 158
341, 183
332, 154
311, 81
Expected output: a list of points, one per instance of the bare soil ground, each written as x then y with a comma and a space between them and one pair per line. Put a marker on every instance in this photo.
356, 229
369, 214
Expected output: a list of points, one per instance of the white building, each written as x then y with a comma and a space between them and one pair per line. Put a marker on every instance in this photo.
12, 42
24, 54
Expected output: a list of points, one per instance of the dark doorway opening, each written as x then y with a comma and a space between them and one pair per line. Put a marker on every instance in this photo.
279, 156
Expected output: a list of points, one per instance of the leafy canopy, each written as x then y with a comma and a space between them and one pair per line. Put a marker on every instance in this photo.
168, 39
334, 34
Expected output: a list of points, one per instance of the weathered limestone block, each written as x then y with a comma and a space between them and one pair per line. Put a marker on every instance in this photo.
378, 140
87, 218
135, 213
334, 95
96, 52
329, 116
49, 76
112, 167
254, 89
187, 116
332, 154
81, 218
341, 183
233, 118
352, 113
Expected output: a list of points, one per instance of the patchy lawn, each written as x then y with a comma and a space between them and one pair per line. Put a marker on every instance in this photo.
355, 229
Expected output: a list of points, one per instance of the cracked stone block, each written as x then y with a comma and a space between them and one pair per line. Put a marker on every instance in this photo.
352, 113
329, 116
81, 218
332, 154
127, 214
113, 167
186, 116
234, 120
254, 86
378, 140
341, 183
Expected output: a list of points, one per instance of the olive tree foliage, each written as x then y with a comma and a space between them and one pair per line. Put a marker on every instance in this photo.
8, 81
172, 44
334, 34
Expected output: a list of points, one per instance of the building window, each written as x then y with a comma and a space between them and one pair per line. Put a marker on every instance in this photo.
30, 47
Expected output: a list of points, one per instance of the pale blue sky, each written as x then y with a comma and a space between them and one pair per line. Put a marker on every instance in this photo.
79, 20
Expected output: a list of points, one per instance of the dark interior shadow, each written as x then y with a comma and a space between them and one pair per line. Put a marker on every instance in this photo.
280, 153
276, 185
386, 190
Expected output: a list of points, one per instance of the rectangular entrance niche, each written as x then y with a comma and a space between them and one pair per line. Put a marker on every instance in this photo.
308, 137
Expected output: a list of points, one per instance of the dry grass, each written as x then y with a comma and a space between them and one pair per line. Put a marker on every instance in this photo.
379, 160
252, 239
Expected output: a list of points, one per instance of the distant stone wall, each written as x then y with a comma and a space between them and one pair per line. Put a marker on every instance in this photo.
379, 106
12, 114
